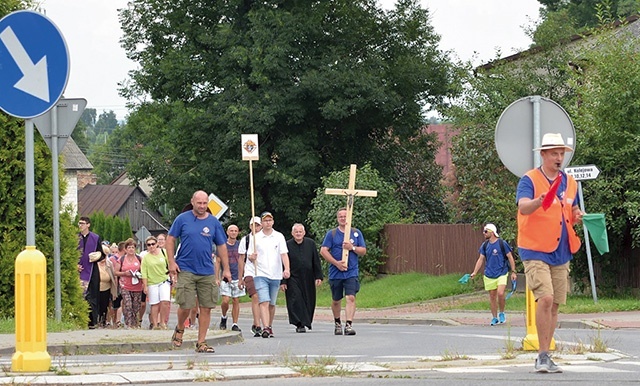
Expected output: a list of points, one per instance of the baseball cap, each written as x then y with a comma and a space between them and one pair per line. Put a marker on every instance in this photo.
492, 228
255, 220
266, 214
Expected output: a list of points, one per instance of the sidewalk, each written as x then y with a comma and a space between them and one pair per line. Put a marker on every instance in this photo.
106, 341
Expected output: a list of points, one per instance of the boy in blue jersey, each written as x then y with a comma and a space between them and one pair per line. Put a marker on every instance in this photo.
191, 268
343, 279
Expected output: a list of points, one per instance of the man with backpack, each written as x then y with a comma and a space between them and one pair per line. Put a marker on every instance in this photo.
496, 254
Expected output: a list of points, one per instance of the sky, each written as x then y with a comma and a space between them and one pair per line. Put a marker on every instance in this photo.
98, 63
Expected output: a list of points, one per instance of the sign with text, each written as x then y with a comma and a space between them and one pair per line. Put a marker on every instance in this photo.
585, 172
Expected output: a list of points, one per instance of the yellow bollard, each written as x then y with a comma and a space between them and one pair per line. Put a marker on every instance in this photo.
530, 342
31, 312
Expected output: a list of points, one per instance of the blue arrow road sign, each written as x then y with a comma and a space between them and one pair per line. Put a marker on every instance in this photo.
34, 64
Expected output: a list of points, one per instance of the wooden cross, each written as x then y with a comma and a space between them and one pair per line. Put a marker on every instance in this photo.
350, 192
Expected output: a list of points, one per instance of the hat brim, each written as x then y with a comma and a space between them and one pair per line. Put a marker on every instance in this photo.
565, 147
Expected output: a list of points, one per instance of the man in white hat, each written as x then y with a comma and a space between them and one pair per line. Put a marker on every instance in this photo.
547, 240
498, 261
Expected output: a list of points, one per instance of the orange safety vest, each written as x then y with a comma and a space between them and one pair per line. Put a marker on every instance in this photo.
541, 230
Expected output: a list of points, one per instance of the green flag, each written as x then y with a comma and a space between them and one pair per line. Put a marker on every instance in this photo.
597, 228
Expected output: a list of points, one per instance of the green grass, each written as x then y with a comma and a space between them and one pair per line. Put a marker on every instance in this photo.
576, 304
7, 326
393, 290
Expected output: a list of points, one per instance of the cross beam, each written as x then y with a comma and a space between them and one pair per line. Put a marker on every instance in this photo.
350, 192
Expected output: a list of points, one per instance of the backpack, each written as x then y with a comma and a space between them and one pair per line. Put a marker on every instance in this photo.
502, 248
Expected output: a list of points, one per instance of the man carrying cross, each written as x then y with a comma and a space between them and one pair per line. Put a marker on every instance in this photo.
338, 246
343, 273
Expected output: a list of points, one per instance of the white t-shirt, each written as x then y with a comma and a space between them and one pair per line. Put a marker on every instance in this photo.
249, 268
270, 249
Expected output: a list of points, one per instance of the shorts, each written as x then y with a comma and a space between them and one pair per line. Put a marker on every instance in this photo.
157, 293
231, 289
544, 280
250, 286
344, 287
267, 289
492, 284
190, 285
115, 303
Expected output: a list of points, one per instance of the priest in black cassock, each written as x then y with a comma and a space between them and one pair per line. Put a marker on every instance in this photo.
306, 275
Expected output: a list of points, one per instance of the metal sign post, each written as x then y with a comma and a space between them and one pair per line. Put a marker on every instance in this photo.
579, 173
56, 126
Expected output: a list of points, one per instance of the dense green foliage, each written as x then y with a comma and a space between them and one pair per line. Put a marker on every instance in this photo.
111, 228
608, 88
13, 224
370, 214
598, 89
321, 83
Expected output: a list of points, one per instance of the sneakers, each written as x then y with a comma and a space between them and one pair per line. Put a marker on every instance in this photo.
257, 331
223, 323
502, 318
348, 330
235, 328
267, 332
494, 321
338, 329
301, 329
544, 364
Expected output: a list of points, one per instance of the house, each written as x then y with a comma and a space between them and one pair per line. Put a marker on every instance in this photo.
77, 174
121, 201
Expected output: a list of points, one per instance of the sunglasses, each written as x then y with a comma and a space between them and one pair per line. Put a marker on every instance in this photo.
150, 244
82, 223
485, 231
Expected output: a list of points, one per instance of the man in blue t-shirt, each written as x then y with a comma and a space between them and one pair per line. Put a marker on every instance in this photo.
343, 279
496, 254
191, 267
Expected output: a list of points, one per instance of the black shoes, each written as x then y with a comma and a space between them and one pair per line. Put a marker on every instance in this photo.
223, 323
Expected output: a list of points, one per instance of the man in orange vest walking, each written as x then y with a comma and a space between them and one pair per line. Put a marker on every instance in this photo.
546, 238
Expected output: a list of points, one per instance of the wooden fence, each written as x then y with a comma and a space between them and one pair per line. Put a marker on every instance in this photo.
435, 249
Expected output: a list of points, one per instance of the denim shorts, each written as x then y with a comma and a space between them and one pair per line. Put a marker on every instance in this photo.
267, 289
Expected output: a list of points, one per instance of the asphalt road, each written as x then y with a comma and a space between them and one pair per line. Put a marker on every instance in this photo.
400, 354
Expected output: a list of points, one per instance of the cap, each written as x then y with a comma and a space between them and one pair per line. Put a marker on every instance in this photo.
492, 228
255, 220
266, 214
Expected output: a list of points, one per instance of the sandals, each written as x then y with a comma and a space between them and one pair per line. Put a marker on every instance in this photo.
175, 341
204, 347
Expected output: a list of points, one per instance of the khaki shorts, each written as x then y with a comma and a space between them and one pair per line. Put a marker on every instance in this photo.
544, 280
191, 285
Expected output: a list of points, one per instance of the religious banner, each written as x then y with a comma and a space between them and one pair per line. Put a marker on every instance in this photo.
250, 151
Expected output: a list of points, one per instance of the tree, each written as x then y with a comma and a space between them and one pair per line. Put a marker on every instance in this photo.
12, 216
581, 15
319, 82
608, 88
484, 187
369, 215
